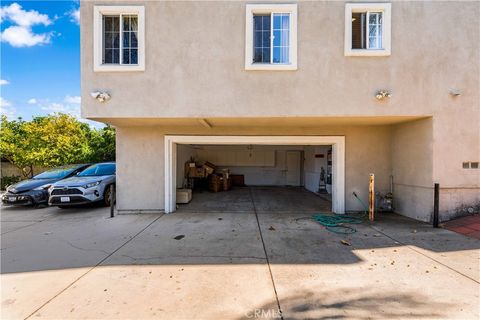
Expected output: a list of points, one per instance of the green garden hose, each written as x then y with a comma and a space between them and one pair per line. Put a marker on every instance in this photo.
336, 223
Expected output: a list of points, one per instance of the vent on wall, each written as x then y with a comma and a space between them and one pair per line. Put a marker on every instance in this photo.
470, 165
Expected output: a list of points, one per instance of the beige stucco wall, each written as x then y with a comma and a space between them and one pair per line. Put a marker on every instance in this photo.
140, 169
195, 64
140, 160
195, 69
412, 169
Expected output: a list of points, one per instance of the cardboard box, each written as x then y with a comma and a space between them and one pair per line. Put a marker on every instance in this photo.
184, 195
209, 168
215, 183
194, 172
238, 180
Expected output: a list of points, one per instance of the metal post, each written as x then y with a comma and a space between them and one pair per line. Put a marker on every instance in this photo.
371, 197
112, 201
436, 201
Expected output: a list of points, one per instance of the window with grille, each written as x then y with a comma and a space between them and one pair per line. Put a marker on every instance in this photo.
271, 37
119, 38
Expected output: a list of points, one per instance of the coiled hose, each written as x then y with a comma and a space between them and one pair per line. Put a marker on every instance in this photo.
336, 223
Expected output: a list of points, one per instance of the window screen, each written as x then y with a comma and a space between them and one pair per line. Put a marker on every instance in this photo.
261, 38
111, 39
120, 40
130, 40
281, 44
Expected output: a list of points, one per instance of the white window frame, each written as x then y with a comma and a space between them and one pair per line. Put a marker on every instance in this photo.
98, 13
386, 9
253, 9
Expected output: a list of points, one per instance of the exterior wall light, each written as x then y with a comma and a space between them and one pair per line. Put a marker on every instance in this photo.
382, 94
455, 92
100, 96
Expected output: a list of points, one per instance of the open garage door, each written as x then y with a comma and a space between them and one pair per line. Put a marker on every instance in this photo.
262, 160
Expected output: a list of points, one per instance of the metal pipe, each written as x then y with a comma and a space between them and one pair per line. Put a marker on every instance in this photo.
436, 201
112, 201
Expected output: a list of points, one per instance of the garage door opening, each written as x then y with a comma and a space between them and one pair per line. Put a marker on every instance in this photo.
235, 178
275, 173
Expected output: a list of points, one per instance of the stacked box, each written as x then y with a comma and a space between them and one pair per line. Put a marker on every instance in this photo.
184, 195
209, 168
215, 183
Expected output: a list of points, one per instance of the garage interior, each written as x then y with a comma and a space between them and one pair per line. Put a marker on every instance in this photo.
244, 178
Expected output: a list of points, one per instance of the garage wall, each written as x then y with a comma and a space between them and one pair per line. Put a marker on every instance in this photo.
140, 170
184, 153
140, 160
314, 165
412, 168
269, 175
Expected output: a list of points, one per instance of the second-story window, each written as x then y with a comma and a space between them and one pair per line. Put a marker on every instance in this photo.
119, 38
271, 37
367, 29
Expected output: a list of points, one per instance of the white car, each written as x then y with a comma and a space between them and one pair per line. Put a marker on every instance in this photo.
90, 185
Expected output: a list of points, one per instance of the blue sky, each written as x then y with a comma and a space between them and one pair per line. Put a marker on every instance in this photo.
40, 58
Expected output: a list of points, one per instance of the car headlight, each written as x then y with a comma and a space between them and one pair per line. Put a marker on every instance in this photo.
44, 187
92, 184
10, 189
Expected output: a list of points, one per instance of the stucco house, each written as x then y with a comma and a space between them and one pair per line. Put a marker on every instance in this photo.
308, 94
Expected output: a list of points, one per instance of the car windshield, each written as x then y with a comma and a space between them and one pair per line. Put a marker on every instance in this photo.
102, 169
58, 173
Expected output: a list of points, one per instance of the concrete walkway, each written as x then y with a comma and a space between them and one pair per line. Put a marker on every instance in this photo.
72, 264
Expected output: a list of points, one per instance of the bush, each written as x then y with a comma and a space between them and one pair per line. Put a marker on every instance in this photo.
8, 180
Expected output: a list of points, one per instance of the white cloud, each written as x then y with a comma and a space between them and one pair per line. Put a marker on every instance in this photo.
74, 99
4, 103
74, 15
4, 82
56, 107
10, 112
16, 14
20, 34
23, 37
32, 101
7, 109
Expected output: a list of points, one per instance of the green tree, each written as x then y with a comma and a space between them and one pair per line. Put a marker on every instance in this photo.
54, 140
102, 144
14, 146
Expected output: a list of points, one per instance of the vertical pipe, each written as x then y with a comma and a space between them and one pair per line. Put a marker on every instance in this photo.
112, 201
371, 197
436, 201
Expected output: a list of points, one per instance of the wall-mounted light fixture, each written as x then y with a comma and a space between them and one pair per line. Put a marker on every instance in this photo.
455, 92
100, 96
382, 94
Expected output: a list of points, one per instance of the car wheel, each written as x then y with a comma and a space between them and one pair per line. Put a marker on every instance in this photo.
106, 197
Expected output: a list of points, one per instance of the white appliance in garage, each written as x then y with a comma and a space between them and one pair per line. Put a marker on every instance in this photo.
294, 168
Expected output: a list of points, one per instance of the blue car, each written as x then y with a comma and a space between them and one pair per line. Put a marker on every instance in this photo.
35, 191
90, 185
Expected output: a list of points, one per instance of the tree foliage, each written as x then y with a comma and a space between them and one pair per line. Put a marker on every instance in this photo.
54, 140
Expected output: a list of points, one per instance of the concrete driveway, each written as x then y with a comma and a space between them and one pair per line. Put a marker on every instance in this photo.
78, 263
